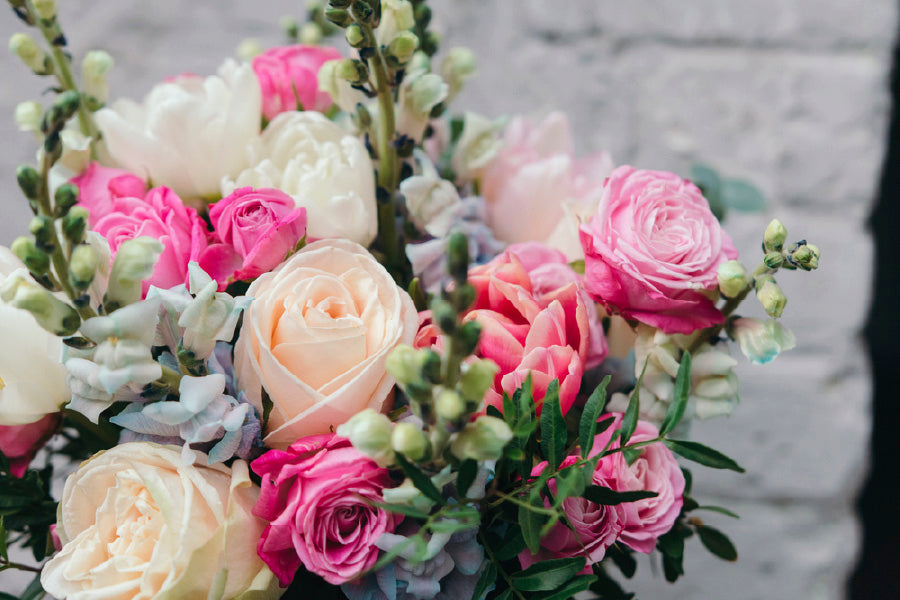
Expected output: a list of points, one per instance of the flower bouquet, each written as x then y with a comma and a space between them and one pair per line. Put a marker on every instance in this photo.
298, 328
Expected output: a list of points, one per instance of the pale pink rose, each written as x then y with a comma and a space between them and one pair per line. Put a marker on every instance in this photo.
21, 442
595, 527
289, 76
549, 270
653, 249
535, 188
317, 498
160, 215
546, 334
317, 336
654, 470
254, 230
98, 186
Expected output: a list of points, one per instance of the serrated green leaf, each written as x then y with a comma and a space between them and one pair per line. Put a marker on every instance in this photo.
553, 427
680, 399
609, 497
587, 426
719, 509
530, 523
467, 472
548, 575
742, 196
580, 583
702, 454
422, 482
717, 543
487, 578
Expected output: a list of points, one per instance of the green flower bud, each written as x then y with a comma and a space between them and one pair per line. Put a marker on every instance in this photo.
28, 116
431, 365
23, 46
29, 181
94, 69
45, 9
370, 433
134, 262
356, 36
83, 266
477, 378
463, 296
351, 70
444, 315
449, 405
458, 257
410, 441
338, 16
776, 233
457, 68
771, 297
66, 197
773, 260
732, 278
805, 256
37, 261
289, 26
404, 365
403, 46
482, 440
362, 12
68, 103
41, 227
74, 224
310, 34
340, 3
469, 334
361, 117
50, 312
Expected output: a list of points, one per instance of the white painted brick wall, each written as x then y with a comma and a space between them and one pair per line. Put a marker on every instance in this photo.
790, 93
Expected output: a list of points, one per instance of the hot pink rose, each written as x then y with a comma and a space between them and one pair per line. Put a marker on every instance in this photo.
289, 75
255, 230
653, 249
317, 497
160, 215
655, 470
98, 186
524, 332
21, 442
596, 526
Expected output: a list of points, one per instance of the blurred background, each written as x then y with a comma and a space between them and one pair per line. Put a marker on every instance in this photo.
793, 95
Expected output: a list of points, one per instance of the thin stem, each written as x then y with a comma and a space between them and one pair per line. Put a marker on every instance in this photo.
8, 564
500, 569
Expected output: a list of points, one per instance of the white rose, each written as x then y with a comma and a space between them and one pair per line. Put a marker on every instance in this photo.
32, 380
136, 522
189, 133
324, 169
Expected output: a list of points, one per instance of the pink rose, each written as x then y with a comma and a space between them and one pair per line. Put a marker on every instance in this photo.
160, 215
536, 190
255, 230
98, 186
317, 497
289, 76
654, 470
524, 332
549, 270
21, 442
596, 526
653, 249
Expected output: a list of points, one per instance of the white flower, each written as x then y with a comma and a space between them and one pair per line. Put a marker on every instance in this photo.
323, 168
396, 16
32, 380
433, 203
477, 146
189, 133
762, 341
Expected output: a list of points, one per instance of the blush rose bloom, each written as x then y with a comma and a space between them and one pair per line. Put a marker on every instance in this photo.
98, 186
596, 526
317, 498
545, 334
160, 215
654, 470
317, 336
254, 230
19, 443
136, 522
289, 75
653, 249
537, 190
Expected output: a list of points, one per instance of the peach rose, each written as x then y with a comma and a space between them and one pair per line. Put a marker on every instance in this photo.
136, 522
317, 338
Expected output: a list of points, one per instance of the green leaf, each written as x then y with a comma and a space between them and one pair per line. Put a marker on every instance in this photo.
629, 421
688, 480
624, 559
34, 591
671, 543
717, 543
680, 399
702, 454
418, 294
526, 401
673, 567
578, 584
609, 497
4, 463
493, 411
402, 509
504, 595
719, 509
709, 182
267, 406
530, 523
422, 482
742, 195
548, 575
486, 580
3, 551
587, 427
553, 427
5, 596
467, 472
511, 546
569, 482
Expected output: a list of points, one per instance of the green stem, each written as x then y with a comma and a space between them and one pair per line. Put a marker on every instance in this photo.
8, 564
171, 378
500, 569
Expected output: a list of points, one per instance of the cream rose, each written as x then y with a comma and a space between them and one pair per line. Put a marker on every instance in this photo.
32, 380
136, 522
317, 338
326, 170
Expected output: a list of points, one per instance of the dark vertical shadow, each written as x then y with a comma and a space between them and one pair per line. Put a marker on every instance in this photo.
877, 575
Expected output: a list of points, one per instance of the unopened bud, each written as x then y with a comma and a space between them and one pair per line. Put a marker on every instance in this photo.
74, 224
458, 257
449, 405
773, 260
45, 9
776, 233
26, 250
477, 378
771, 297
134, 262
469, 335
362, 12
404, 365
444, 315
370, 433
361, 117
431, 365
289, 26
29, 181
23, 46
83, 266
356, 36
353, 71
66, 197
41, 227
805, 256
50, 312
338, 16
310, 34
249, 49
732, 278
340, 3
410, 441
457, 68
28, 116
482, 440
403, 46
